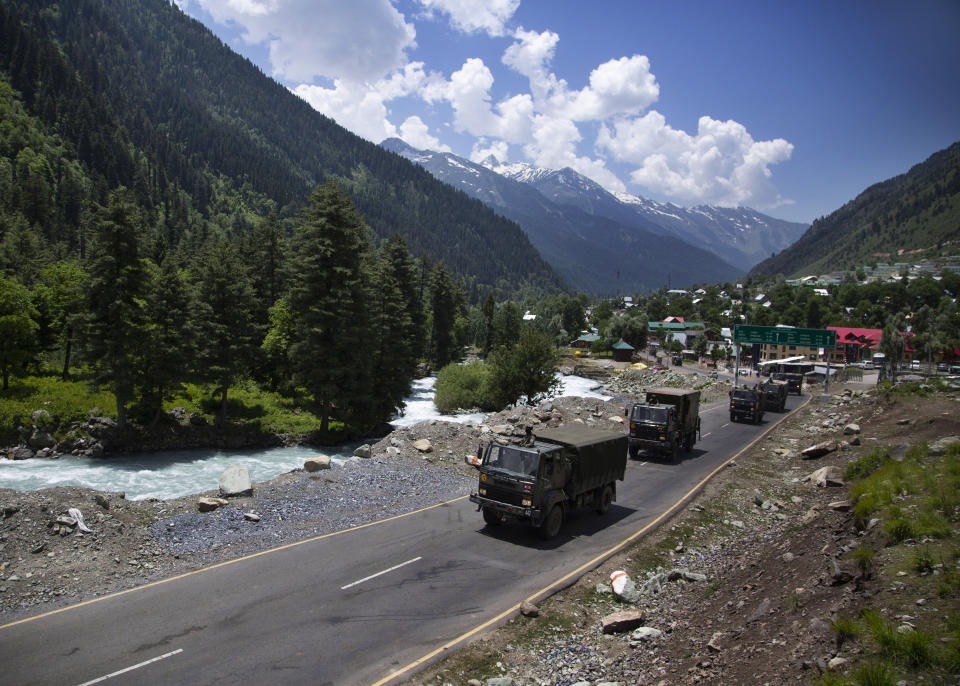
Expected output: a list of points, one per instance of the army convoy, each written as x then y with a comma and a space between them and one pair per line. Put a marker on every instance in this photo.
544, 477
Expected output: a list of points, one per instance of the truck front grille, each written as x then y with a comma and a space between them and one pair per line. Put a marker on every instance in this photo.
504, 495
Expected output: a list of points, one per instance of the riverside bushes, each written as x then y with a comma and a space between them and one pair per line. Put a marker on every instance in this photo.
464, 386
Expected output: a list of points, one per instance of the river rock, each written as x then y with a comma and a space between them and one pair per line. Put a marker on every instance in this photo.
251, 516
40, 439
210, 504
364, 451
939, 447
528, 609
423, 445
21, 452
316, 464
235, 481
645, 633
851, 429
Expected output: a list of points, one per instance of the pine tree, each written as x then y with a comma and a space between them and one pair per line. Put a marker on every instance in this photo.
445, 301
225, 304
393, 361
329, 350
170, 340
113, 330
18, 327
405, 271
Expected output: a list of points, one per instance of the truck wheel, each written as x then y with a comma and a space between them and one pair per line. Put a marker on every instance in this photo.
551, 525
733, 417
492, 517
674, 453
688, 444
634, 451
606, 497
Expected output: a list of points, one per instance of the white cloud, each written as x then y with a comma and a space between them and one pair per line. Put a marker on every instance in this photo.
414, 132
468, 92
722, 164
360, 40
472, 16
483, 148
357, 107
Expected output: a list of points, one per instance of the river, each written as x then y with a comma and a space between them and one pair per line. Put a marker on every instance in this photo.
171, 474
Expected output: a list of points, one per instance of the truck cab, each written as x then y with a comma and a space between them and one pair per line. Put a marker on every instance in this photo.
747, 403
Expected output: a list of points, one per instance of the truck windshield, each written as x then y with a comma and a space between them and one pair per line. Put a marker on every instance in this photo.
514, 460
645, 413
744, 395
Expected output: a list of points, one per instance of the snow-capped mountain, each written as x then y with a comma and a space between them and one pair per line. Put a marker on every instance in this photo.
594, 252
740, 235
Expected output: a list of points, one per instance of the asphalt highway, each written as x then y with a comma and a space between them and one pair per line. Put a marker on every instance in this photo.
362, 606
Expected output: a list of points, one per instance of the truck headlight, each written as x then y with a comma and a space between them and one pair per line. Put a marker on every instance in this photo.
482, 490
526, 502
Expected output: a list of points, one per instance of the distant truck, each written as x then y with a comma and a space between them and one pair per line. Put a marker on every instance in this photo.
794, 381
775, 395
554, 472
668, 420
747, 404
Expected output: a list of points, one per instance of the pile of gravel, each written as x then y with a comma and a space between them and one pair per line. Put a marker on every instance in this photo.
358, 492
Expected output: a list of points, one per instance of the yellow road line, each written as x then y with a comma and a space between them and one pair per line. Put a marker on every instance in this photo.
224, 564
587, 566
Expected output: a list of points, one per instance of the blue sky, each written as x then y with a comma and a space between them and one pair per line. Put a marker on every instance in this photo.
791, 108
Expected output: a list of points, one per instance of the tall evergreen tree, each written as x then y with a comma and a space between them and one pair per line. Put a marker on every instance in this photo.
170, 340
329, 350
407, 273
61, 291
445, 301
393, 362
113, 330
18, 327
225, 305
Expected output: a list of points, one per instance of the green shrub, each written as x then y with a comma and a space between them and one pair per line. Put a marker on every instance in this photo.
845, 629
899, 529
863, 556
874, 674
866, 465
916, 648
463, 386
66, 401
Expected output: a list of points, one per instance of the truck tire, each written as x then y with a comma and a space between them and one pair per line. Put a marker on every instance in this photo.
606, 497
688, 444
551, 524
674, 452
492, 517
634, 451
733, 417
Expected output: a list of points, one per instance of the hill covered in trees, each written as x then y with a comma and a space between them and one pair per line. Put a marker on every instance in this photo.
135, 93
917, 211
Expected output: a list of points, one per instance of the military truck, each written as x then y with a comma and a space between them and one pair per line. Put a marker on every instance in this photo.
747, 403
668, 420
547, 476
775, 395
794, 381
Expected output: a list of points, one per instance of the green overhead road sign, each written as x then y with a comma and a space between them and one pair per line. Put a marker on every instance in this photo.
781, 335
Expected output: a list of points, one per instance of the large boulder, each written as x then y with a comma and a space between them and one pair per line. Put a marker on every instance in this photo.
235, 481
815, 452
825, 477
423, 445
21, 452
364, 451
619, 622
209, 504
41, 439
316, 464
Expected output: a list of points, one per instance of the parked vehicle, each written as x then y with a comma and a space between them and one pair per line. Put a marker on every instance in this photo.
553, 472
668, 420
746, 403
775, 395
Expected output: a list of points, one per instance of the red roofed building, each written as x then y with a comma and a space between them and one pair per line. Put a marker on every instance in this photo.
854, 345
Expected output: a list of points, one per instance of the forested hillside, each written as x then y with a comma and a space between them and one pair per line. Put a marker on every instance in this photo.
135, 93
916, 211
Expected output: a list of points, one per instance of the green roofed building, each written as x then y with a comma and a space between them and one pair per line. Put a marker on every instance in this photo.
623, 351
586, 340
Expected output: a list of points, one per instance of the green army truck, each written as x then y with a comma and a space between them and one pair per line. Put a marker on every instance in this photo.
775, 395
668, 420
747, 404
541, 481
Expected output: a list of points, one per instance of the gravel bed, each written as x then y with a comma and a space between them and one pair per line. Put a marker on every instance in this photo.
304, 505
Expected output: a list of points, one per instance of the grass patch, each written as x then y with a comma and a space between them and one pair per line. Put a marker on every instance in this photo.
67, 402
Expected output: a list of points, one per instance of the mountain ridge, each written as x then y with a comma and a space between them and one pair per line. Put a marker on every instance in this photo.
592, 252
